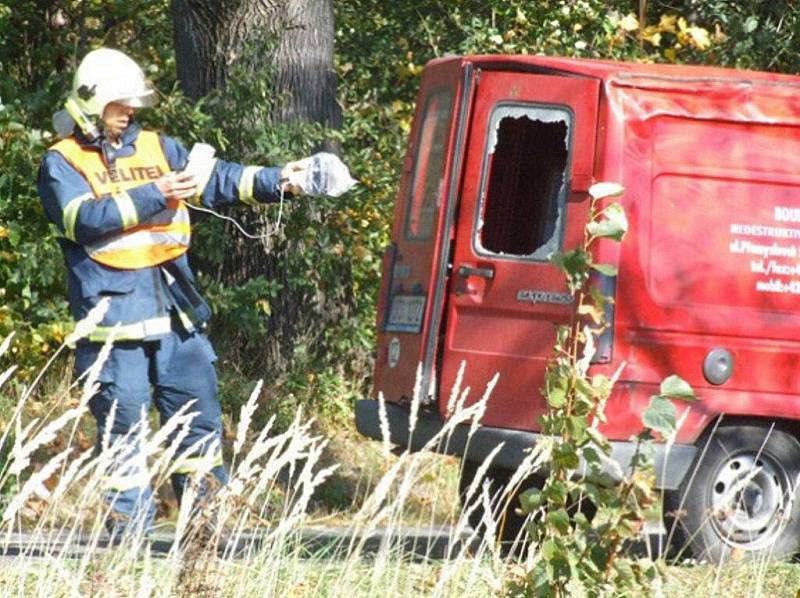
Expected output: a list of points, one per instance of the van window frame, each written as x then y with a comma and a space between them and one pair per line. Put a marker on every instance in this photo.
561, 199
408, 200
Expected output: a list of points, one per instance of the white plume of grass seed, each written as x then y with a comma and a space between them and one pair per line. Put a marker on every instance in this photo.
454, 392
245, 417
48, 434
386, 436
415, 401
35, 485
88, 324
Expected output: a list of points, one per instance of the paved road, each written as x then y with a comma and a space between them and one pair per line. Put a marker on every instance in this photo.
416, 543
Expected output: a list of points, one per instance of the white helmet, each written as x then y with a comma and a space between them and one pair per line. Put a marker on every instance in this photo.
106, 76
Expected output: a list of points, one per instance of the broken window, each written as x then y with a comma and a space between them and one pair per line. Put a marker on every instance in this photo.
525, 181
425, 190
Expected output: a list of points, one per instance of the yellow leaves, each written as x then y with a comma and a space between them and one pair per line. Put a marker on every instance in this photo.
667, 23
674, 32
496, 39
361, 253
408, 69
719, 35
3, 232
264, 306
629, 23
697, 37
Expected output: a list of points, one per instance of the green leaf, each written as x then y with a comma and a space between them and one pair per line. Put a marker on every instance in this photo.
530, 500
584, 388
602, 385
559, 519
556, 492
564, 456
612, 225
675, 387
590, 454
549, 549
599, 440
605, 269
576, 425
660, 416
603, 190
556, 398
602, 479
625, 574
572, 263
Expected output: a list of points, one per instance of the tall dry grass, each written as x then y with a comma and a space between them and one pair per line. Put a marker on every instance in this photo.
253, 536
248, 537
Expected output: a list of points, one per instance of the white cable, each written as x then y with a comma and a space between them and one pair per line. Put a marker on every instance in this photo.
236, 222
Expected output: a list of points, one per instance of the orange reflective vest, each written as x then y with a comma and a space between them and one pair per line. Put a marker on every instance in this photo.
161, 238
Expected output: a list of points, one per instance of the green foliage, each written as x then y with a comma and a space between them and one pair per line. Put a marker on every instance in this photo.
32, 285
574, 550
381, 48
39, 44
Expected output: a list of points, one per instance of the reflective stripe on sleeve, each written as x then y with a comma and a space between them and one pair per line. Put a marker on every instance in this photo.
246, 184
133, 332
192, 464
126, 208
70, 215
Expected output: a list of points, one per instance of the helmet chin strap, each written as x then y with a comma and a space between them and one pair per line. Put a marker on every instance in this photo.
85, 124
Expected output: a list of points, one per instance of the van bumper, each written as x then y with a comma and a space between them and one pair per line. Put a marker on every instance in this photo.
679, 458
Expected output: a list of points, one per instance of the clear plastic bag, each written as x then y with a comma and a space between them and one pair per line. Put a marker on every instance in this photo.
322, 174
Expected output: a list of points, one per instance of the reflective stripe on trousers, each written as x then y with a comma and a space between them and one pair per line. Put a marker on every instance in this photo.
169, 372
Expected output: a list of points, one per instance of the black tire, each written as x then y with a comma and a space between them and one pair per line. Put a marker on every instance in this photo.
509, 528
741, 497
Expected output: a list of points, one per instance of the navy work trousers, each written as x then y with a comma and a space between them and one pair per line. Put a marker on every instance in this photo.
169, 372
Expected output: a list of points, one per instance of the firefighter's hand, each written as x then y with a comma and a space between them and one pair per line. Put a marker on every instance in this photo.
177, 185
291, 173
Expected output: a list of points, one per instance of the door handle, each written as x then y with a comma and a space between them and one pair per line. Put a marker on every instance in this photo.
465, 271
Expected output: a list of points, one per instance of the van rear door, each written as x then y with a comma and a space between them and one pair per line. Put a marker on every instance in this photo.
528, 165
411, 302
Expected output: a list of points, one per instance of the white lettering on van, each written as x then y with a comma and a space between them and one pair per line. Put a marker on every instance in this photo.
757, 230
534, 296
784, 214
769, 260
774, 250
770, 267
775, 285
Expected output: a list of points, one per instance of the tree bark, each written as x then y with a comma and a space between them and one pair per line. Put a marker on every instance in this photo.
211, 34
211, 40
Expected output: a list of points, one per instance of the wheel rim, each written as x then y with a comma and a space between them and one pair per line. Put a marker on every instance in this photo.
751, 499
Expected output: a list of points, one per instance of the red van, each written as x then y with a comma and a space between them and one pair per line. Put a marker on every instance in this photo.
501, 156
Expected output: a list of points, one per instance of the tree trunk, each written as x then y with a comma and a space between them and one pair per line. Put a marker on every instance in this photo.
210, 35
213, 41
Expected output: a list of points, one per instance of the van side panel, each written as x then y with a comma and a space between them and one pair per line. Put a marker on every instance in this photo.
712, 259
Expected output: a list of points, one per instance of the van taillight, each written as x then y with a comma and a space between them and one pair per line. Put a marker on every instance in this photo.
387, 281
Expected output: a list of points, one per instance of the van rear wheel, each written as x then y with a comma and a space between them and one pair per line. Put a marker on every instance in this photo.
742, 498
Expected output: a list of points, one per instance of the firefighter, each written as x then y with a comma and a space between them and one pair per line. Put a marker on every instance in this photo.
115, 196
